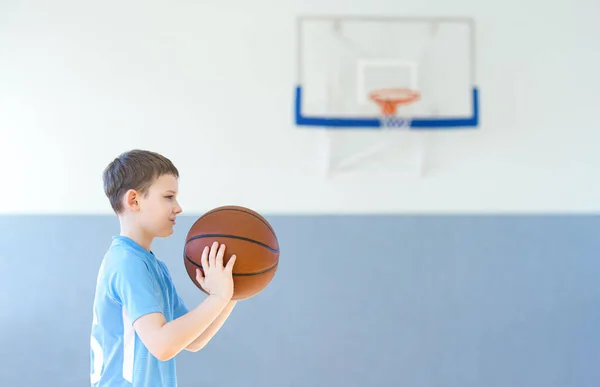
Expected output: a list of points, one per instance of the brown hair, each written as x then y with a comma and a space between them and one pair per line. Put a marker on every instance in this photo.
136, 169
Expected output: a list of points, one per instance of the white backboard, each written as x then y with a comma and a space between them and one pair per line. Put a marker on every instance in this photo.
342, 59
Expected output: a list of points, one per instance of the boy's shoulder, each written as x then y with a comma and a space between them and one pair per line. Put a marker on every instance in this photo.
124, 259
129, 275
123, 249
116, 258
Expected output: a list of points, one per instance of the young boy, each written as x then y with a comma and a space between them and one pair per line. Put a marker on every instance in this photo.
139, 321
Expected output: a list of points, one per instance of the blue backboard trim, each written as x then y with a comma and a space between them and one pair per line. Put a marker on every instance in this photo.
375, 123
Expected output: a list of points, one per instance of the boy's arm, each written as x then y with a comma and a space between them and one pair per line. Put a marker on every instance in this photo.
165, 340
133, 286
212, 330
181, 309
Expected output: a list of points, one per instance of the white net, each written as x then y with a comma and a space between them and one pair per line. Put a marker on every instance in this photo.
389, 122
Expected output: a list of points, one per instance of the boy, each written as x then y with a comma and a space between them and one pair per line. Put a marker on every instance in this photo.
139, 321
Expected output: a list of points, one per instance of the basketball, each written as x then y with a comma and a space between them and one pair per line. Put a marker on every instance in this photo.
247, 235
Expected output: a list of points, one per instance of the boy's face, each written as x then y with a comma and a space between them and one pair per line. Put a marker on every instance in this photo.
159, 207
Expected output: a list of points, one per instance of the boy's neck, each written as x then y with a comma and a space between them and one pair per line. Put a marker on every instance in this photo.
136, 234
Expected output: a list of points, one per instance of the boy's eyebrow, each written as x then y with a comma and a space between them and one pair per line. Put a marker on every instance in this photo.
171, 191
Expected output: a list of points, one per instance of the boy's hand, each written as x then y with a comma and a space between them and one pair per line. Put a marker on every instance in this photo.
217, 280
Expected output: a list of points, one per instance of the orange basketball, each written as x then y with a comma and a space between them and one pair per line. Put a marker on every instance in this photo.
246, 234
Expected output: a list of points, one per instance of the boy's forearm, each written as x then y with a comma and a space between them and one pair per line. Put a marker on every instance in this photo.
179, 333
212, 330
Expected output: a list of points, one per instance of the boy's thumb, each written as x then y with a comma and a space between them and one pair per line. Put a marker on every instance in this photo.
200, 277
230, 263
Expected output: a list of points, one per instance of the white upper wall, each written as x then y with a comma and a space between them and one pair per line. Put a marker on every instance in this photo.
211, 87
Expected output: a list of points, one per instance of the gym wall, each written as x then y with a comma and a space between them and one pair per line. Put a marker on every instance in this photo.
483, 273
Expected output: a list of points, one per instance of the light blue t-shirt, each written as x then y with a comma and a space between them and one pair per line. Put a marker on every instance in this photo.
131, 282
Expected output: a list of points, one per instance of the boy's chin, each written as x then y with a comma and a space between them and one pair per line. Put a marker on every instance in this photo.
167, 232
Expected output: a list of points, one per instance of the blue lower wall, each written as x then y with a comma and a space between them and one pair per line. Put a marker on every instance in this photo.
427, 301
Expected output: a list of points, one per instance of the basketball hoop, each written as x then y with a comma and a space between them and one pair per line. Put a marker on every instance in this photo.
389, 100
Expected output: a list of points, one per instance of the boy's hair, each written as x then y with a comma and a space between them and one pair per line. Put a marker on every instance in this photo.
136, 169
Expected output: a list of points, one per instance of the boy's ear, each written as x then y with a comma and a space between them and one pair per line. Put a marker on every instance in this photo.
132, 200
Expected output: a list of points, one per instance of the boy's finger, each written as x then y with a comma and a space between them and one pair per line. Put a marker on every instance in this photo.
204, 258
212, 254
219, 260
230, 263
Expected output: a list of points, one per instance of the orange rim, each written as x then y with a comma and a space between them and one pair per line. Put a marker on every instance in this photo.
390, 99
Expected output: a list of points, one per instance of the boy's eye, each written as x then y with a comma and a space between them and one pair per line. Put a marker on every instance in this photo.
169, 197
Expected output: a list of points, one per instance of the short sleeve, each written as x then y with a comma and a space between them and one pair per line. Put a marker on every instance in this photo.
134, 287
179, 307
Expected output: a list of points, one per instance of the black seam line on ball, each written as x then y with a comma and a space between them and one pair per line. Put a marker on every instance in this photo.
245, 212
232, 237
236, 274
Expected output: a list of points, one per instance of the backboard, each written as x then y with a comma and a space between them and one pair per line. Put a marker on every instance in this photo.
341, 59
344, 60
